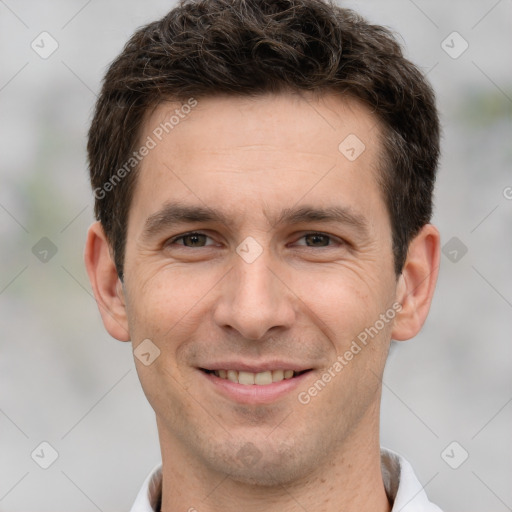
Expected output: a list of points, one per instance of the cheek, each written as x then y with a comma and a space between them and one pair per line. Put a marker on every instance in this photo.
345, 300
162, 307
170, 305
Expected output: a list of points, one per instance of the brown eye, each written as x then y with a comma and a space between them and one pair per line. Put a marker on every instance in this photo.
317, 240
191, 240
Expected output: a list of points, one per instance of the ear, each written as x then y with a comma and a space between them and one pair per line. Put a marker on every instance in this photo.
417, 282
106, 285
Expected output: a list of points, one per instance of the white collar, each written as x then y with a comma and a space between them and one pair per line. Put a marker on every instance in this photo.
402, 487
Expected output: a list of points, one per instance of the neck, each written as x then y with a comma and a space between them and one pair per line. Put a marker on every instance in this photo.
349, 481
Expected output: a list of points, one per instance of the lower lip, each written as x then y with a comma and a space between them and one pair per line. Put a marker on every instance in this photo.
254, 394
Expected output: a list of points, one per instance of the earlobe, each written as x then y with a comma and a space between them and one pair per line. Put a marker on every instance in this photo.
417, 282
105, 283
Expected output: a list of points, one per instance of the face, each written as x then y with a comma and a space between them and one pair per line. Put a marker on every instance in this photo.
258, 250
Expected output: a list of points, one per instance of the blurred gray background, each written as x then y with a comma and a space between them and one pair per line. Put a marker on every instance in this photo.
447, 402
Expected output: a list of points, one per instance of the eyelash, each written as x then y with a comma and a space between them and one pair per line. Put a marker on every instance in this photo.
330, 237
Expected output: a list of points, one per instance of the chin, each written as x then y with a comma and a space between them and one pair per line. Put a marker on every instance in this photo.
262, 464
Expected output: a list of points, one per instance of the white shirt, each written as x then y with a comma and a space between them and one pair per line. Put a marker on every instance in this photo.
402, 487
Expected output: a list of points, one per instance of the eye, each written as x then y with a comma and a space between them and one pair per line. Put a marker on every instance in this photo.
197, 240
191, 240
319, 240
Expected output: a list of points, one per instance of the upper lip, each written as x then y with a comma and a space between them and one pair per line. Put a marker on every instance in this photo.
263, 366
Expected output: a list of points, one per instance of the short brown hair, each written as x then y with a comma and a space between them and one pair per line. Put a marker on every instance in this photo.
251, 47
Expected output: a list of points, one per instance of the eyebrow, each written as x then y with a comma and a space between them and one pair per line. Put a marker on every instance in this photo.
178, 213
334, 214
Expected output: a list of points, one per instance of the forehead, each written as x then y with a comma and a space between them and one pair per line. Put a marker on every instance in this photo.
287, 120
265, 152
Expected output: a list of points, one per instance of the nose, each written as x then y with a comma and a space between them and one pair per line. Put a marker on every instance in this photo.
254, 299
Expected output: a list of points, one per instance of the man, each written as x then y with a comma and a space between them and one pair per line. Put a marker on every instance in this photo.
263, 174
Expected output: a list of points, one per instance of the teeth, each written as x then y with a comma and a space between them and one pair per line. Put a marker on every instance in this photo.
248, 378
277, 375
263, 378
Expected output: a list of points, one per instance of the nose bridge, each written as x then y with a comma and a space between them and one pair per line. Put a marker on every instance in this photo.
255, 281
253, 299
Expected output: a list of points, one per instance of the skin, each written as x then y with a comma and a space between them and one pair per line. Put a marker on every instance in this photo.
303, 299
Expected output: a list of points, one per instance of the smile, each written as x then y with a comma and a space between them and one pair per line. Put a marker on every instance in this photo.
249, 378
265, 386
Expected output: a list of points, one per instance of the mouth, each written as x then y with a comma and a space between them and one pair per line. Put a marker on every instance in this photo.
246, 378
261, 386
